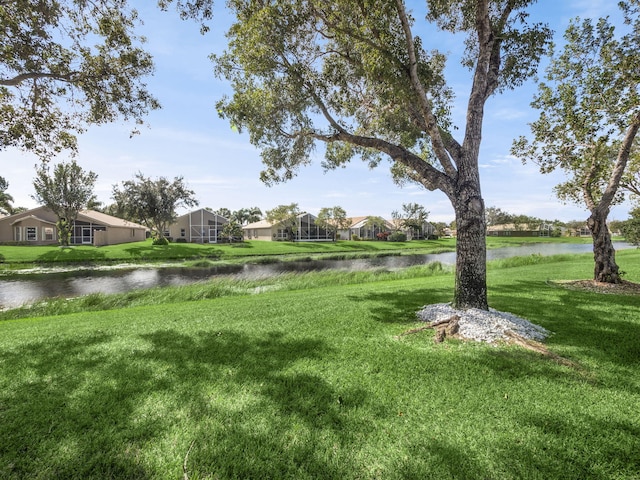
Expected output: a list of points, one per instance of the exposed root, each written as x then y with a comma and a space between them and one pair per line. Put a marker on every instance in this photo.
539, 348
444, 328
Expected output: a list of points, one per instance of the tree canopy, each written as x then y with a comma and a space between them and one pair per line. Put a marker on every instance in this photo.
66, 191
285, 216
365, 79
153, 203
332, 219
67, 64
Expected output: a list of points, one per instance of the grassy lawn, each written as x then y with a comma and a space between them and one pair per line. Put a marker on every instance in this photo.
11, 256
307, 377
146, 252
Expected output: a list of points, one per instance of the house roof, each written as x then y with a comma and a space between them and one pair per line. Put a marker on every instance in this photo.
108, 220
202, 210
259, 224
522, 227
35, 217
357, 222
267, 224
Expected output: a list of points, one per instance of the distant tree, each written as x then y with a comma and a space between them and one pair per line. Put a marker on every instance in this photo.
285, 216
153, 202
66, 191
377, 226
397, 220
332, 219
232, 232
415, 217
589, 118
440, 228
6, 200
496, 216
631, 227
67, 64
223, 212
244, 216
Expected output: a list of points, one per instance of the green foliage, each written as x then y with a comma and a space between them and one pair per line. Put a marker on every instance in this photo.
285, 217
5, 199
397, 237
153, 202
232, 232
332, 219
67, 64
589, 112
631, 227
160, 241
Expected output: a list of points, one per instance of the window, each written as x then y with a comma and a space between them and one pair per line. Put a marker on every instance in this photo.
32, 234
18, 234
183, 232
48, 233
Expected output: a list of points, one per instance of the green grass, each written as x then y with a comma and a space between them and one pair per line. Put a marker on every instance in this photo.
313, 380
252, 250
146, 252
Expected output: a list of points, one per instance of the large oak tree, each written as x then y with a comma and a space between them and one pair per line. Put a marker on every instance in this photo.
589, 118
366, 79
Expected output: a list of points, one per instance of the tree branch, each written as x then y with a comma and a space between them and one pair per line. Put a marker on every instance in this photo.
424, 104
18, 79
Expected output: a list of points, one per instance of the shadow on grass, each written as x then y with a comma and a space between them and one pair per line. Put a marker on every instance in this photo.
101, 407
401, 306
172, 251
71, 254
600, 327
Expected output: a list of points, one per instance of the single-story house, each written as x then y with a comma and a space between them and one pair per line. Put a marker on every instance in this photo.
38, 227
199, 226
427, 229
305, 230
359, 228
520, 230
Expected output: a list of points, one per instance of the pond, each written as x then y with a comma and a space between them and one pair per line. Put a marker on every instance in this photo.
24, 289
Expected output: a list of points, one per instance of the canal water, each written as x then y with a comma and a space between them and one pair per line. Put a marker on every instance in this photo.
28, 288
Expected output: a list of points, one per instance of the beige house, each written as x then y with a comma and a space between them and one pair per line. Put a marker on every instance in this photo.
360, 229
38, 227
199, 226
305, 230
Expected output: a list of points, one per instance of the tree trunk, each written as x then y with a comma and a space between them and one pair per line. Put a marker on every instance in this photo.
604, 255
471, 251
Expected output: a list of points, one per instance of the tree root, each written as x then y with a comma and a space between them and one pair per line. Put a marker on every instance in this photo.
444, 328
539, 348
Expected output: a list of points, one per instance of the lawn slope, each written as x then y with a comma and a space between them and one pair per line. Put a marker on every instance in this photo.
320, 383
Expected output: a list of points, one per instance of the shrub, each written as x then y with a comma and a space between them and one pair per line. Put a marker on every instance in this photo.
397, 237
355, 237
160, 241
181, 240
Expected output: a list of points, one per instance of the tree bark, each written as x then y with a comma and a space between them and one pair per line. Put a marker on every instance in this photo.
604, 255
471, 250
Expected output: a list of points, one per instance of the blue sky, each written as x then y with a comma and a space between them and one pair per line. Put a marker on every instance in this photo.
186, 138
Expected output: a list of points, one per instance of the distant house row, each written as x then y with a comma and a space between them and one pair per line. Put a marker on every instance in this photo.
38, 227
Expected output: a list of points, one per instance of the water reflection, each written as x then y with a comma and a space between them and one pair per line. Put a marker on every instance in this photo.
27, 289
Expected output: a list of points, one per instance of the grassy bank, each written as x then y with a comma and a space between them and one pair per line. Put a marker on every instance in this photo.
21, 256
146, 252
318, 382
